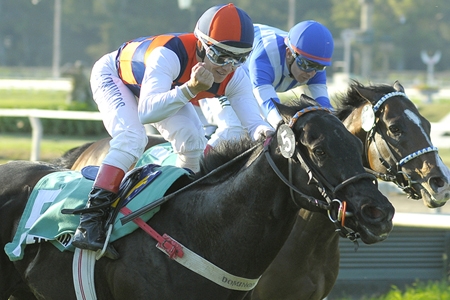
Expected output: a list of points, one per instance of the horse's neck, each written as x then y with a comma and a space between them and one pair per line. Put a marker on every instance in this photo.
353, 123
310, 258
312, 235
251, 209
315, 226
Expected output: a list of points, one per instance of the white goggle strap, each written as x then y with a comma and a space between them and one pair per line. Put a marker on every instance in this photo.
236, 50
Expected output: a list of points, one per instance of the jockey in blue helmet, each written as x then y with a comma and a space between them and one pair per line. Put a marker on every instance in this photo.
283, 60
313, 42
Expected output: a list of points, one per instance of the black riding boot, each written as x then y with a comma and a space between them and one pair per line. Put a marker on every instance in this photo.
91, 232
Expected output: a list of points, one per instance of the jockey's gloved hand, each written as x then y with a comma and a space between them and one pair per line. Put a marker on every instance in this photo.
263, 132
269, 133
201, 79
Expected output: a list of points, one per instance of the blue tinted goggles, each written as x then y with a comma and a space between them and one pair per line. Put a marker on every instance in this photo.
307, 65
220, 57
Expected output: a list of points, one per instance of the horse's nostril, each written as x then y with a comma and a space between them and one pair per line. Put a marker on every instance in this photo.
436, 182
372, 212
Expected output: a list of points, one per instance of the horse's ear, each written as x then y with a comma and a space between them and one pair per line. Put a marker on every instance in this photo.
398, 87
284, 111
365, 93
307, 99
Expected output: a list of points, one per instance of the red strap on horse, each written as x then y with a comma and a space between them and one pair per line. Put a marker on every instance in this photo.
172, 247
344, 210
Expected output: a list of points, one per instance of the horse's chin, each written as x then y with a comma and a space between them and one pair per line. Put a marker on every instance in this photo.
369, 236
433, 201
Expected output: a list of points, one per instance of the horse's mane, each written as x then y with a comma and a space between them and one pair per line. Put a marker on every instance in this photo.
225, 151
347, 101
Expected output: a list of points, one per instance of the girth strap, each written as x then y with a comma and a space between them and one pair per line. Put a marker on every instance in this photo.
195, 262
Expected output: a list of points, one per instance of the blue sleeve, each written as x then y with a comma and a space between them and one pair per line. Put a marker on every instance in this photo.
318, 88
324, 101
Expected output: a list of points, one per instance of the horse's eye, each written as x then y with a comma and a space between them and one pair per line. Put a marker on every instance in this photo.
319, 152
394, 129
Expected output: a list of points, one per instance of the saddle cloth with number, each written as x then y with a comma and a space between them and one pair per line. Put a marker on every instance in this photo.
42, 219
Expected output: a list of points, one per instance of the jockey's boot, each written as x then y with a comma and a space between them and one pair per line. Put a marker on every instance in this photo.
91, 233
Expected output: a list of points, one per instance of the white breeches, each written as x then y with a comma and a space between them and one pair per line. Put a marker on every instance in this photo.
119, 109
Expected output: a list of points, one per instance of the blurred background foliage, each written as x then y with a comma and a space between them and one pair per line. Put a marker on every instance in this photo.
91, 28
399, 31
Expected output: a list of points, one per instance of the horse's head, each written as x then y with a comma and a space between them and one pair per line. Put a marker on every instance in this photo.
397, 140
314, 138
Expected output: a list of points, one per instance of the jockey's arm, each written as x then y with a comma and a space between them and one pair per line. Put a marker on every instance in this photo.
158, 100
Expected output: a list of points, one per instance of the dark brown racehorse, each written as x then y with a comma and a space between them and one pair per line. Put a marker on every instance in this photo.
237, 215
398, 146
308, 264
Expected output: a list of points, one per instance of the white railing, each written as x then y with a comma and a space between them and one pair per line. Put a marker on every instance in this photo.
51, 84
427, 220
35, 116
439, 131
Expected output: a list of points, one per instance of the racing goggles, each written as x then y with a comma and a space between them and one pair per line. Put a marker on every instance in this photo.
307, 65
220, 57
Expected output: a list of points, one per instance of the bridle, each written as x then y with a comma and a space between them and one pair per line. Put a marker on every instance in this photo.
335, 208
394, 171
326, 189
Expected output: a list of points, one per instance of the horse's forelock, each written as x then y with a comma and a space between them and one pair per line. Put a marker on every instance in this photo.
356, 95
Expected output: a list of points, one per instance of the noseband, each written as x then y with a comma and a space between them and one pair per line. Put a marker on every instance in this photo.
327, 190
393, 173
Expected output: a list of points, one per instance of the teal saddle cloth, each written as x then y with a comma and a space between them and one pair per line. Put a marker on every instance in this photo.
42, 219
161, 154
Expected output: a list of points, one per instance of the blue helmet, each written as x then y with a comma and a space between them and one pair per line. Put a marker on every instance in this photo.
227, 27
311, 40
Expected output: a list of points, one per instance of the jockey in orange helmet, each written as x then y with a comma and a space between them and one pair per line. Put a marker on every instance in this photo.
154, 80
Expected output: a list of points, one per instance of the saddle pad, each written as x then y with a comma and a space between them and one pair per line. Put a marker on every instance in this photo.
42, 220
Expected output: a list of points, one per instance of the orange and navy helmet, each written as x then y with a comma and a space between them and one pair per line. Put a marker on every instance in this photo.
227, 27
311, 40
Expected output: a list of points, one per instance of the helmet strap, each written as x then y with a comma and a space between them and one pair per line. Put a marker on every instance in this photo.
290, 59
201, 52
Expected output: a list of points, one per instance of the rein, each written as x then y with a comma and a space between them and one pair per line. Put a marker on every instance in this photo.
312, 204
306, 201
393, 173
164, 199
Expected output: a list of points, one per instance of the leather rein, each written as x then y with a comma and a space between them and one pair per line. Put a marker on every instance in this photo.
328, 191
335, 208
